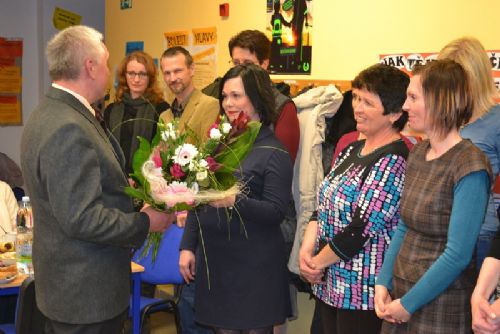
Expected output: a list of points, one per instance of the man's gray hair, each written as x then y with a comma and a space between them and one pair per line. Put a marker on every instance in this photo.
68, 49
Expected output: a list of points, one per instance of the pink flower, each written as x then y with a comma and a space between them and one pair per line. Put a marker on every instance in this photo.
176, 171
178, 192
212, 164
157, 158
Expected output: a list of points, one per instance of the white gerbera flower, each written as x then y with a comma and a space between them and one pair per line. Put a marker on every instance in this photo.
184, 154
226, 127
215, 134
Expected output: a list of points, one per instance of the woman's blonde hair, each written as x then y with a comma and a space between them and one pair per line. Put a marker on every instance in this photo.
153, 90
471, 55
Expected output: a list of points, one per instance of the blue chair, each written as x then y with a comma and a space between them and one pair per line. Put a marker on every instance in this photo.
165, 270
29, 319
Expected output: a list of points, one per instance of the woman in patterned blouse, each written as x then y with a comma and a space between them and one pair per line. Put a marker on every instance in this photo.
358, 207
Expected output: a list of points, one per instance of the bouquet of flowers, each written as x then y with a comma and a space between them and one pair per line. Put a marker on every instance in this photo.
178, 171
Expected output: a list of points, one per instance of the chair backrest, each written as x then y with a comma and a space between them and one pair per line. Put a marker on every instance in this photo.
29, 319
165, 269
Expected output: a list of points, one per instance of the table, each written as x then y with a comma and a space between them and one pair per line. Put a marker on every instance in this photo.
135, 307
12, 288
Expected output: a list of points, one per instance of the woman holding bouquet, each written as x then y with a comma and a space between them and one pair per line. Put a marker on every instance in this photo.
241, 275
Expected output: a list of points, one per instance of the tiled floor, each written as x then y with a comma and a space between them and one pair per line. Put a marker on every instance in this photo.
162, 323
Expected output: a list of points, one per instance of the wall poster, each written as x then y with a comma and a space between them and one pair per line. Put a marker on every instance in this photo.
406, 61
289, 27
201, 44
11, 52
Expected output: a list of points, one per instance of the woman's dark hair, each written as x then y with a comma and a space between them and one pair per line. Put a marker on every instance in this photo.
390, 85
258, 88
254, 41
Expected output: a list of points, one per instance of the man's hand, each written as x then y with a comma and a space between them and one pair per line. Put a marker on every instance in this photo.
158, 221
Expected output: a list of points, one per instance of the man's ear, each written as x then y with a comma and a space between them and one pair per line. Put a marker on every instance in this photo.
89, 66
265, 64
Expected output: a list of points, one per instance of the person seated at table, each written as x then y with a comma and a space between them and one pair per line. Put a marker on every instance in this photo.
11, 174
8, 214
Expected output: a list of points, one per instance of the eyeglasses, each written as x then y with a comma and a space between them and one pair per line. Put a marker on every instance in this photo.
133, 75
237, 62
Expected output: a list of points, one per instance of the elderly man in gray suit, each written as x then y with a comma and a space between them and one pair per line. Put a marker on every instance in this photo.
85, 225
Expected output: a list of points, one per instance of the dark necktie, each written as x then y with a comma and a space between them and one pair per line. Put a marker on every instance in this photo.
177, 109
100, 119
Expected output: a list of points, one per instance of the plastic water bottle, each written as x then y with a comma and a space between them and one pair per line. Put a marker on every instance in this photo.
24, 237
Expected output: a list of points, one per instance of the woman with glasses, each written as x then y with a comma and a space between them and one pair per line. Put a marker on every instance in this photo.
137, 105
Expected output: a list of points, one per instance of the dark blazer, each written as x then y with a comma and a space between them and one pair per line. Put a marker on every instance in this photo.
84, 223
243, 249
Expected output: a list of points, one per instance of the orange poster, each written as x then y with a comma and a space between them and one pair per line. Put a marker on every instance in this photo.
11, 52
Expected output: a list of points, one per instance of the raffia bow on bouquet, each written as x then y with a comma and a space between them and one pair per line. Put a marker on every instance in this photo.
178, 171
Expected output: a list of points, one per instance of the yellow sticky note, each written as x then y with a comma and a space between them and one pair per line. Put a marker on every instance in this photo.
64, 18
205, 36
177, 38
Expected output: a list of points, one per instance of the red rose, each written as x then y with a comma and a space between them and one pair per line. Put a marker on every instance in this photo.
176, 171
239, 125
212, 164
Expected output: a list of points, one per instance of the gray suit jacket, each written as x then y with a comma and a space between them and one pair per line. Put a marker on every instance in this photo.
84, 223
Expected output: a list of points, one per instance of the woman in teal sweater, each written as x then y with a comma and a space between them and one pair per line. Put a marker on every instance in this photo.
427, 277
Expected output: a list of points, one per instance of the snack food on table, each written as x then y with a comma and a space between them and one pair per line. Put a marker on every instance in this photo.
6, 246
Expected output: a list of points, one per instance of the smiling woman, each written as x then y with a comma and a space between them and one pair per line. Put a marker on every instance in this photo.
248, 290
358, 207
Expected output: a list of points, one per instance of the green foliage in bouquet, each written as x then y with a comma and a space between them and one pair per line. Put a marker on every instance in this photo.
204, 169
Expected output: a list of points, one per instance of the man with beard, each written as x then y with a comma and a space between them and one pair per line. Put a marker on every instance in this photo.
193, 108
198, 112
